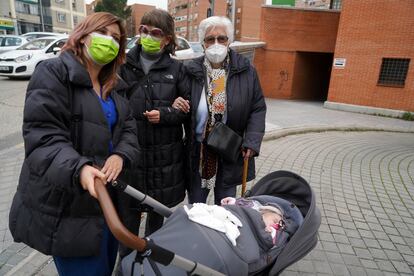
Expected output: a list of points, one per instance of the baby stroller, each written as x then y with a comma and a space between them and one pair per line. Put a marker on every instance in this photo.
205, 251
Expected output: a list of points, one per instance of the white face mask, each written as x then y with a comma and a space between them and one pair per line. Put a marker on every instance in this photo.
216, 53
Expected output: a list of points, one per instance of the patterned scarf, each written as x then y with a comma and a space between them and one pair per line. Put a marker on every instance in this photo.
216, 103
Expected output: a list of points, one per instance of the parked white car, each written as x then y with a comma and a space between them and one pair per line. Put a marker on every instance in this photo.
33, 35
11, 42
183, 50
22, 61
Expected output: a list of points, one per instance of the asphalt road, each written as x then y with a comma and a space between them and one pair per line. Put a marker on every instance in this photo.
12, 94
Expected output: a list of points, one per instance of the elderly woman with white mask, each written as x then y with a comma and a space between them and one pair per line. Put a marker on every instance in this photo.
225, 87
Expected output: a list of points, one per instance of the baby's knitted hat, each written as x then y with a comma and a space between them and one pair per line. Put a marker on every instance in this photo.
271, 208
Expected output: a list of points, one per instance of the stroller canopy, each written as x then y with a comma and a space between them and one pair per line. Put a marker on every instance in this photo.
293, 188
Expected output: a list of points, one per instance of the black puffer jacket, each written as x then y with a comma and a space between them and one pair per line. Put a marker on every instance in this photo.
50, 210
246, 111
160, 169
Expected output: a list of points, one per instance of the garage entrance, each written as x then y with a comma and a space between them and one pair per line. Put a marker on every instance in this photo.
312, 75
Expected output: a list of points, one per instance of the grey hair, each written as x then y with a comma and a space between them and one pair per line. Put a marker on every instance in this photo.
215, 21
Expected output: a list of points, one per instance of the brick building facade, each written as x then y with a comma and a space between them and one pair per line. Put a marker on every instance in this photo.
247, 20
133, 23
357, 59
296, 61
377, 43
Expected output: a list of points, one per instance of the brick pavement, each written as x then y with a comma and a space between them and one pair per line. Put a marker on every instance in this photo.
342, 172
364, 187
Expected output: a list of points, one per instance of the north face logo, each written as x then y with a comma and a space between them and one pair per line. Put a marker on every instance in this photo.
170, 77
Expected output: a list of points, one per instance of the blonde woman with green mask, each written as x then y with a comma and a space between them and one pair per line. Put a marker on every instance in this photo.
155, 80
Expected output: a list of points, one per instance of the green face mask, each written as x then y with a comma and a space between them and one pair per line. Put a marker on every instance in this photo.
150, 45
103, 48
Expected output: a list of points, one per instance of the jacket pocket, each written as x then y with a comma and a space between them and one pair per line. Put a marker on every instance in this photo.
56, 201
40, 159
84, 205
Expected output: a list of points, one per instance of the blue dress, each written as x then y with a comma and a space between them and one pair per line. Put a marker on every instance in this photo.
103, 264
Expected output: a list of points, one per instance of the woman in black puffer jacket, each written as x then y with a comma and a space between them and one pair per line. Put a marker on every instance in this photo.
224, 86
155, 80
75, 129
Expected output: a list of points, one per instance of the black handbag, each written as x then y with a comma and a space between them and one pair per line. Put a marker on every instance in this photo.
224, 142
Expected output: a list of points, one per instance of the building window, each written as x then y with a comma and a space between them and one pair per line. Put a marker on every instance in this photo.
180, 29
61, 17
336, 4
180, 18
27, 8
75, 20
393, 71
74, 4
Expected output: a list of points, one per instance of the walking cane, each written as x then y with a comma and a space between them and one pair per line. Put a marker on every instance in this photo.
244, 180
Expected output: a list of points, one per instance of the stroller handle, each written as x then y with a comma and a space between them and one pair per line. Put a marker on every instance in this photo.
154, 251
142, 198
114, 223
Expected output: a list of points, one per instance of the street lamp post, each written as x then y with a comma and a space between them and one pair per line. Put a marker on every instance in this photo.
41, 16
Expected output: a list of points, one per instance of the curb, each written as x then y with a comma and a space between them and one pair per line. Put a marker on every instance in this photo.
276, 134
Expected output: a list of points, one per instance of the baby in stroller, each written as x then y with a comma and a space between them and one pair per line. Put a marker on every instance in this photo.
272, 215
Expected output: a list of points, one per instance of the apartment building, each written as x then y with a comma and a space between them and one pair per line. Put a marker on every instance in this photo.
28, 16
22, 16
66, 14
189, 13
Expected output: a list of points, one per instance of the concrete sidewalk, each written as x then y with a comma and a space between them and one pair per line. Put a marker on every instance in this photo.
363, 182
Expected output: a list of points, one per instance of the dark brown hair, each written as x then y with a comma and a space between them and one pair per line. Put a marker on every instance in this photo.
108, 74
163, 20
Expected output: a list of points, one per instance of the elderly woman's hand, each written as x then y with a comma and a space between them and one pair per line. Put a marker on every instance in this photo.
113, 167
153, 116
181, 104
248, 153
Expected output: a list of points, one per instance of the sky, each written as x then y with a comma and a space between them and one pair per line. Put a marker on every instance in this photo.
162, 4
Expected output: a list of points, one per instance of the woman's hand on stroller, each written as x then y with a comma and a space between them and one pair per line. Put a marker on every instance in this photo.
87, 178
113, 167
